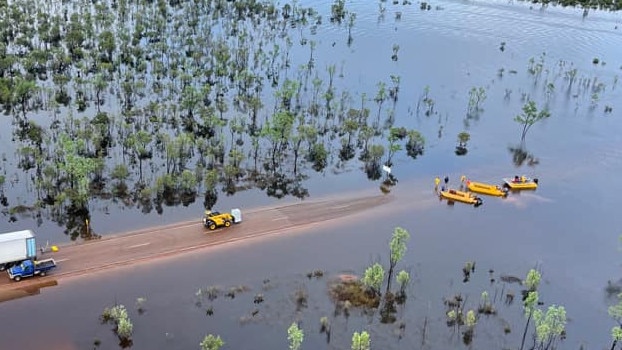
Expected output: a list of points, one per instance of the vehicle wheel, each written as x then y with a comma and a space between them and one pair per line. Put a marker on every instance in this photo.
2, 267
17, 278
42, 273
227, 223
211, 225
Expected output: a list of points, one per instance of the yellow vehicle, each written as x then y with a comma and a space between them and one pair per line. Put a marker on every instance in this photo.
484, 188
521, 183
461, 196
215, 219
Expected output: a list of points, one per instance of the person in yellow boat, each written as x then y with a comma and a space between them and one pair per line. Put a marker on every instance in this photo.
523, 179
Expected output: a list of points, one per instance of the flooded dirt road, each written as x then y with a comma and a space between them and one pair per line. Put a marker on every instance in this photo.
131, 247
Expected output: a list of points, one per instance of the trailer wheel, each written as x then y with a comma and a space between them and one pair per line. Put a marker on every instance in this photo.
17, 278
227, 223
42, 273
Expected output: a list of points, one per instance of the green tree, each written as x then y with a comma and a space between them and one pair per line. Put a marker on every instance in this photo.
415, 144
295, 336
100, 84
397, 249
529, 306
550, 326
24, 91
403, 278
107, 43
381, 96
476, 96
395, 134
532, 282
463, 138
373, 277
75, 35
615, 312
118, 316
470, 322
530, 116
76, 167
361, 341
139, 144
211, 342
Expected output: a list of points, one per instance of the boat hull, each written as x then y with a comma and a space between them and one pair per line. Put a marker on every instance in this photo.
483, 188
461, 196
528, 184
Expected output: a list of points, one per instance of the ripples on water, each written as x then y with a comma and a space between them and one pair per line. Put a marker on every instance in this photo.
559, 224
561, 31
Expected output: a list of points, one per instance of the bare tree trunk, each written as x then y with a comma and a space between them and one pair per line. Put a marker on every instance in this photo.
522, 344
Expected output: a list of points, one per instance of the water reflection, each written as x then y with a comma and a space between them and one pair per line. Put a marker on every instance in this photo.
30, 289
520, 156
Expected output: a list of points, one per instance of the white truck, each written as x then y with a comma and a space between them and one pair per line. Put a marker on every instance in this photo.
16, 247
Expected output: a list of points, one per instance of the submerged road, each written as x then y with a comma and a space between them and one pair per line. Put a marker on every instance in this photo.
124, 249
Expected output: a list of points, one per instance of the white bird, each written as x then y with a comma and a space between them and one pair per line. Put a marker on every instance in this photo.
387, 169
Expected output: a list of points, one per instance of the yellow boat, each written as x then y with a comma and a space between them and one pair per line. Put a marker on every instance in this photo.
483, 188
461, 196
521, 183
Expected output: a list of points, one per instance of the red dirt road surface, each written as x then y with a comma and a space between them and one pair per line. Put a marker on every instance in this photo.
157, 242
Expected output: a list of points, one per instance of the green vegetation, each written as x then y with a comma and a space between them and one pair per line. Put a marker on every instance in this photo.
463, 139
529, 117
170, 120
123, 327
295, 336
546, 323
615, 312
361, 341
211, 342
373, 278
122, 116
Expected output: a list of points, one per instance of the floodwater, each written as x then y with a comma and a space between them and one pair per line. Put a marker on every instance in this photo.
569, 227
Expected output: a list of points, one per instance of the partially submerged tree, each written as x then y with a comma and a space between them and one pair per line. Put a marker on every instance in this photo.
397, 249
295, 336
123, 327
550, 326
403, 278
615, 311
373, 277
476, 97
532, 281
470, 322
463, 138
529, 306
361, 341
529, 117
211, 342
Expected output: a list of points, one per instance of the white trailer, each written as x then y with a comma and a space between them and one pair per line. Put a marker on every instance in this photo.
237, 215
16, 247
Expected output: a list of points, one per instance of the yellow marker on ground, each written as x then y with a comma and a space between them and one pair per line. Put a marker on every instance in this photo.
54, 248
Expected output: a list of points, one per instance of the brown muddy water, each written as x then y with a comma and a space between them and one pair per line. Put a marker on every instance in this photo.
569, 227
